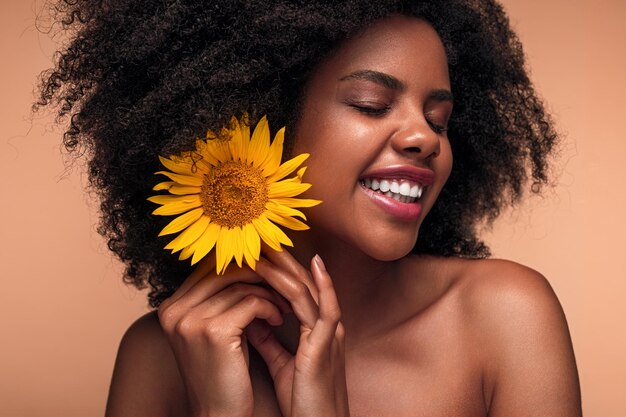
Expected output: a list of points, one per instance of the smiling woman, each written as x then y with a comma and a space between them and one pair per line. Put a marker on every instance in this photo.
374, 111
387, 306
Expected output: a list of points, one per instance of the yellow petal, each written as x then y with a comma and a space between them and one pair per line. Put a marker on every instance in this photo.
186, 253
296, 202
250, 261
284, 211
245, 128
289, 222
270, 233
168, 199
190, 234
195, 181
287, 189
253, 240
218, 149
201, 147
206, 242
173, 244
184, 189
278, 233
183, 166
182, 221
224, 250
259, 144
236, 143
288, 167
261, 226
194, 161
163, 186
244, 131
248, 252
176, 208
185, 204
237, 236
190, 250
272, 162
252, 245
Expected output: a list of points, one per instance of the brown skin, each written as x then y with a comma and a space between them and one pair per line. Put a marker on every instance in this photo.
417, 335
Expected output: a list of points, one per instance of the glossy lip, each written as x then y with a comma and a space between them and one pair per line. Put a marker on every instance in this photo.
423, 176
402, 211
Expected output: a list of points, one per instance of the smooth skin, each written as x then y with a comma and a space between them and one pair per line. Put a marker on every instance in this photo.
347, 323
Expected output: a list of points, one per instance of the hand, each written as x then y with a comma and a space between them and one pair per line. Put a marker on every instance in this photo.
204, 321
313, 382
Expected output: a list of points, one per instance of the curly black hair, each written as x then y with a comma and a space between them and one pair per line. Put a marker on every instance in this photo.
140, 79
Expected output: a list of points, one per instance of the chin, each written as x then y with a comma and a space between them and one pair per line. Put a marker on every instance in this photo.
384, 250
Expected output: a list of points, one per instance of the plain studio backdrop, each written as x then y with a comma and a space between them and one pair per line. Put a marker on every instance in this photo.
64, 308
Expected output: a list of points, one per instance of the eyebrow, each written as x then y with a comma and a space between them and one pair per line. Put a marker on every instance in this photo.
391, 82
380, 78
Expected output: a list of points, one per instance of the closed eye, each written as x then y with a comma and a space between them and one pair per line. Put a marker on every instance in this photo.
371, 110
437, 128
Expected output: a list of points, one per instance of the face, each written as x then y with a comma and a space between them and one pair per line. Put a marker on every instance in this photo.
374, 121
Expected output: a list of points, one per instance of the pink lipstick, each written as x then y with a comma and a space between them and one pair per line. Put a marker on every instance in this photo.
397, 189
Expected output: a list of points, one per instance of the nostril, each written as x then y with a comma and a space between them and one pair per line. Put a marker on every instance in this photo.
413, 149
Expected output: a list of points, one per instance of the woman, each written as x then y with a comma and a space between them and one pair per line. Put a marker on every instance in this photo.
388, 305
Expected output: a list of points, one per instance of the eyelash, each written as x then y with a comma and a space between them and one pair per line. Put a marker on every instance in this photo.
375, 111
372, 111
437, 128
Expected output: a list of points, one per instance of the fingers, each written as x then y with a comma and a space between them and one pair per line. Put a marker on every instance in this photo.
201, 287
212, 297
249, 308
275, 356
234, 294
293, 289
325, 329
288, 263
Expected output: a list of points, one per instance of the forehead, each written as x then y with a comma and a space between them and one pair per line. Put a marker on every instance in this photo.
405, 47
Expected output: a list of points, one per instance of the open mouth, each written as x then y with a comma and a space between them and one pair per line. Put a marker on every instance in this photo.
402, 190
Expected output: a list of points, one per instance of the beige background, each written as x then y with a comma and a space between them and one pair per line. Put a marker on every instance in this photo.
63, 307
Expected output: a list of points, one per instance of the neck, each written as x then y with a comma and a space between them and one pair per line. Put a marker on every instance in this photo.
360, 281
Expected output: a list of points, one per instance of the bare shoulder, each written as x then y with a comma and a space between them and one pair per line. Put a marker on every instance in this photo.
145, 378
520, 326
507, 299
499, 286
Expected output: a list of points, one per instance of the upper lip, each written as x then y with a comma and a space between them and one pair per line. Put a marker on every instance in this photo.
422, 176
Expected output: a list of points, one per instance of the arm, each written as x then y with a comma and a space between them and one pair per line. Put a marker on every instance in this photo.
145, 379
191, 359
530, 369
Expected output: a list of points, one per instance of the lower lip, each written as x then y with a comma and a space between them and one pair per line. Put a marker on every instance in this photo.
402, 211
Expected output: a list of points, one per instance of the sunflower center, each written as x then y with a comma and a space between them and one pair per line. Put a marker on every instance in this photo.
234, 193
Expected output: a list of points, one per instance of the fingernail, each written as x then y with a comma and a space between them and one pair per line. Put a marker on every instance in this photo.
319, 262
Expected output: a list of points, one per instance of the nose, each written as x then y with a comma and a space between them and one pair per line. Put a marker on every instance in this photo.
416, 138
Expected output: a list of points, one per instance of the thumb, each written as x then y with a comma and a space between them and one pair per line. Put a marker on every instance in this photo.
273, 353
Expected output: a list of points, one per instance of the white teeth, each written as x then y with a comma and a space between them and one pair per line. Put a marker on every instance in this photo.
400, 190
405, 189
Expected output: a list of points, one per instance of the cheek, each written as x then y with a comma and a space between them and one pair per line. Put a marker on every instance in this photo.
447, 160
442, 167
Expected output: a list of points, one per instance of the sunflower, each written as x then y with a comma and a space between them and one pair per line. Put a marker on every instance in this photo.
230, 193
